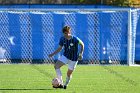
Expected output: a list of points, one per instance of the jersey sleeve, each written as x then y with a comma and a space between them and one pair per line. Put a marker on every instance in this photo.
79, 40
61, 43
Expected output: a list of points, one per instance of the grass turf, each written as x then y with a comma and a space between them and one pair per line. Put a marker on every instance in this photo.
27, 78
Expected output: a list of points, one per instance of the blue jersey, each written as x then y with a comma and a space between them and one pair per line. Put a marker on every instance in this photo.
70, 47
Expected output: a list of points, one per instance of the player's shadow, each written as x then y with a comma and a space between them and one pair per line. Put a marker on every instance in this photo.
26, 89
47, 74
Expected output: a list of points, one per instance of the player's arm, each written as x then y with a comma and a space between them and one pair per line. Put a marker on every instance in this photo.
56, 51
81, 50
59, 48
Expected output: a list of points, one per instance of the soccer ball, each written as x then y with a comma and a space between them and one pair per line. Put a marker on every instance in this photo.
55, 82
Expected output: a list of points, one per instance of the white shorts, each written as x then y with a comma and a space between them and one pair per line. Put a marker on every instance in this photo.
71, 64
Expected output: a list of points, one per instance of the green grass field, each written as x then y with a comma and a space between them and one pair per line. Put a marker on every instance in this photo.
26, 78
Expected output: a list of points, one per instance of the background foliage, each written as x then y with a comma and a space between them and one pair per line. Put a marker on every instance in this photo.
131, 3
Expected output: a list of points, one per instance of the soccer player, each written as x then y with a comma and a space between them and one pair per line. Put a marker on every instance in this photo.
70, 56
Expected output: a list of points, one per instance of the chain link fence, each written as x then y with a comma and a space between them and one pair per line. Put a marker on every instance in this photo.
28, 36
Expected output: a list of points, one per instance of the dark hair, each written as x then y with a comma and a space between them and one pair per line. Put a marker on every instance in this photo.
66, 29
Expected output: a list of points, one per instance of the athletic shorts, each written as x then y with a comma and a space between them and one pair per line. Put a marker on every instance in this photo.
71, 64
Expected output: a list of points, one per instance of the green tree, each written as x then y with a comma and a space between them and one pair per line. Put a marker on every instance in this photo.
133, 3
85, 1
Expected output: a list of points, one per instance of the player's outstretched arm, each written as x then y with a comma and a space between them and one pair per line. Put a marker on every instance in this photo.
56, 51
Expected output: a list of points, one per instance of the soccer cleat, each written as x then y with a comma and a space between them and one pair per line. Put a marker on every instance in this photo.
65, 87
60, 86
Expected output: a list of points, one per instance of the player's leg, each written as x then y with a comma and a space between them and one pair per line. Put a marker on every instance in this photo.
57, 67
68, 78
61, 61
71, 68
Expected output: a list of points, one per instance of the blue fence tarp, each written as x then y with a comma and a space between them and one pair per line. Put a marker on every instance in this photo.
80, 28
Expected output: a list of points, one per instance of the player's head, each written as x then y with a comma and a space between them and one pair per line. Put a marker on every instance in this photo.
66, 30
